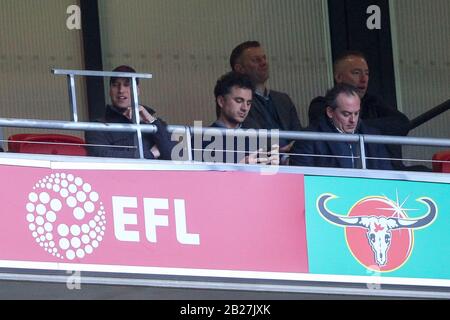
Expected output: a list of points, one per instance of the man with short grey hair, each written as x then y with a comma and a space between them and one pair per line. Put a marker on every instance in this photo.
351, 68
270, 109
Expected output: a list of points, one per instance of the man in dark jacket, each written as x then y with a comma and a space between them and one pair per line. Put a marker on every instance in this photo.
233, 93
122, 144
352, 68
341, 116
270, 109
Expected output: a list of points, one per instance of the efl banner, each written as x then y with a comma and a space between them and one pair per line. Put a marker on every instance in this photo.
373, 226
114, 220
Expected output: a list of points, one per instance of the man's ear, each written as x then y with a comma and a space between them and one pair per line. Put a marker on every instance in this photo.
238, 68
220, 101
329, 112
338, 77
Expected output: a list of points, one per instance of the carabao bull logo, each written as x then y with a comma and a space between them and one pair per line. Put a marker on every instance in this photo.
378, 231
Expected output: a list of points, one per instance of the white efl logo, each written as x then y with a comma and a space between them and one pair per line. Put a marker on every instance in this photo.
65, 216
151, 219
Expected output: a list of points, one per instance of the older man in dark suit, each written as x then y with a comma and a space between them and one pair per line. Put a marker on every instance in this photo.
270, 109
342, 115
351, 68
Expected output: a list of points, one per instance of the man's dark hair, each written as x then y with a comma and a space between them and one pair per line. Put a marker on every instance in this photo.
333, 93
344, 55
237, 52
122, 68
229, 80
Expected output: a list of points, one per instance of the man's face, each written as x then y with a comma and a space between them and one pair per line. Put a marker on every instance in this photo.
345, 116
235, 105
253, 63
354, 71
120, 93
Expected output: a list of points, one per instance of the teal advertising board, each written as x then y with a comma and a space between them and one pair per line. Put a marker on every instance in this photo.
359, 226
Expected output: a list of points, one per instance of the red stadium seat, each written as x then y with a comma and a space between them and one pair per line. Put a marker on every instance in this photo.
446, 167
441, 166
59, 144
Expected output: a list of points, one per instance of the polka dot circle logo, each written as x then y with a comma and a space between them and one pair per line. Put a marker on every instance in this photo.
65, 216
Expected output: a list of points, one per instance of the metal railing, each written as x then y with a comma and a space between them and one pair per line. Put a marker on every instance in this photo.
188, 131
134, 95
428, 115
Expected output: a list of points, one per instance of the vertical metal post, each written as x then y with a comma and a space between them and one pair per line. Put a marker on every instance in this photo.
1, 138
362, 152
188, 142
136, 118
72, 96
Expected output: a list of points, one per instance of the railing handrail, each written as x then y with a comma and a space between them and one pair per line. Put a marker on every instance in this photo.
294, 135
138, 128
69, 125
428, 115
93, 73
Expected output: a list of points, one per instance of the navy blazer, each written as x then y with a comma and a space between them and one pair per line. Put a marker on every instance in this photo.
376, 114
285, 110
101, 140
221, 149
350, 151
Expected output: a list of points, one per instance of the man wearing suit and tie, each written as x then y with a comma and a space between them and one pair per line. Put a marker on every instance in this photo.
270, 109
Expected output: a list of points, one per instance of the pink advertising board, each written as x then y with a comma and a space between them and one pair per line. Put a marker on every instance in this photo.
202, 220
